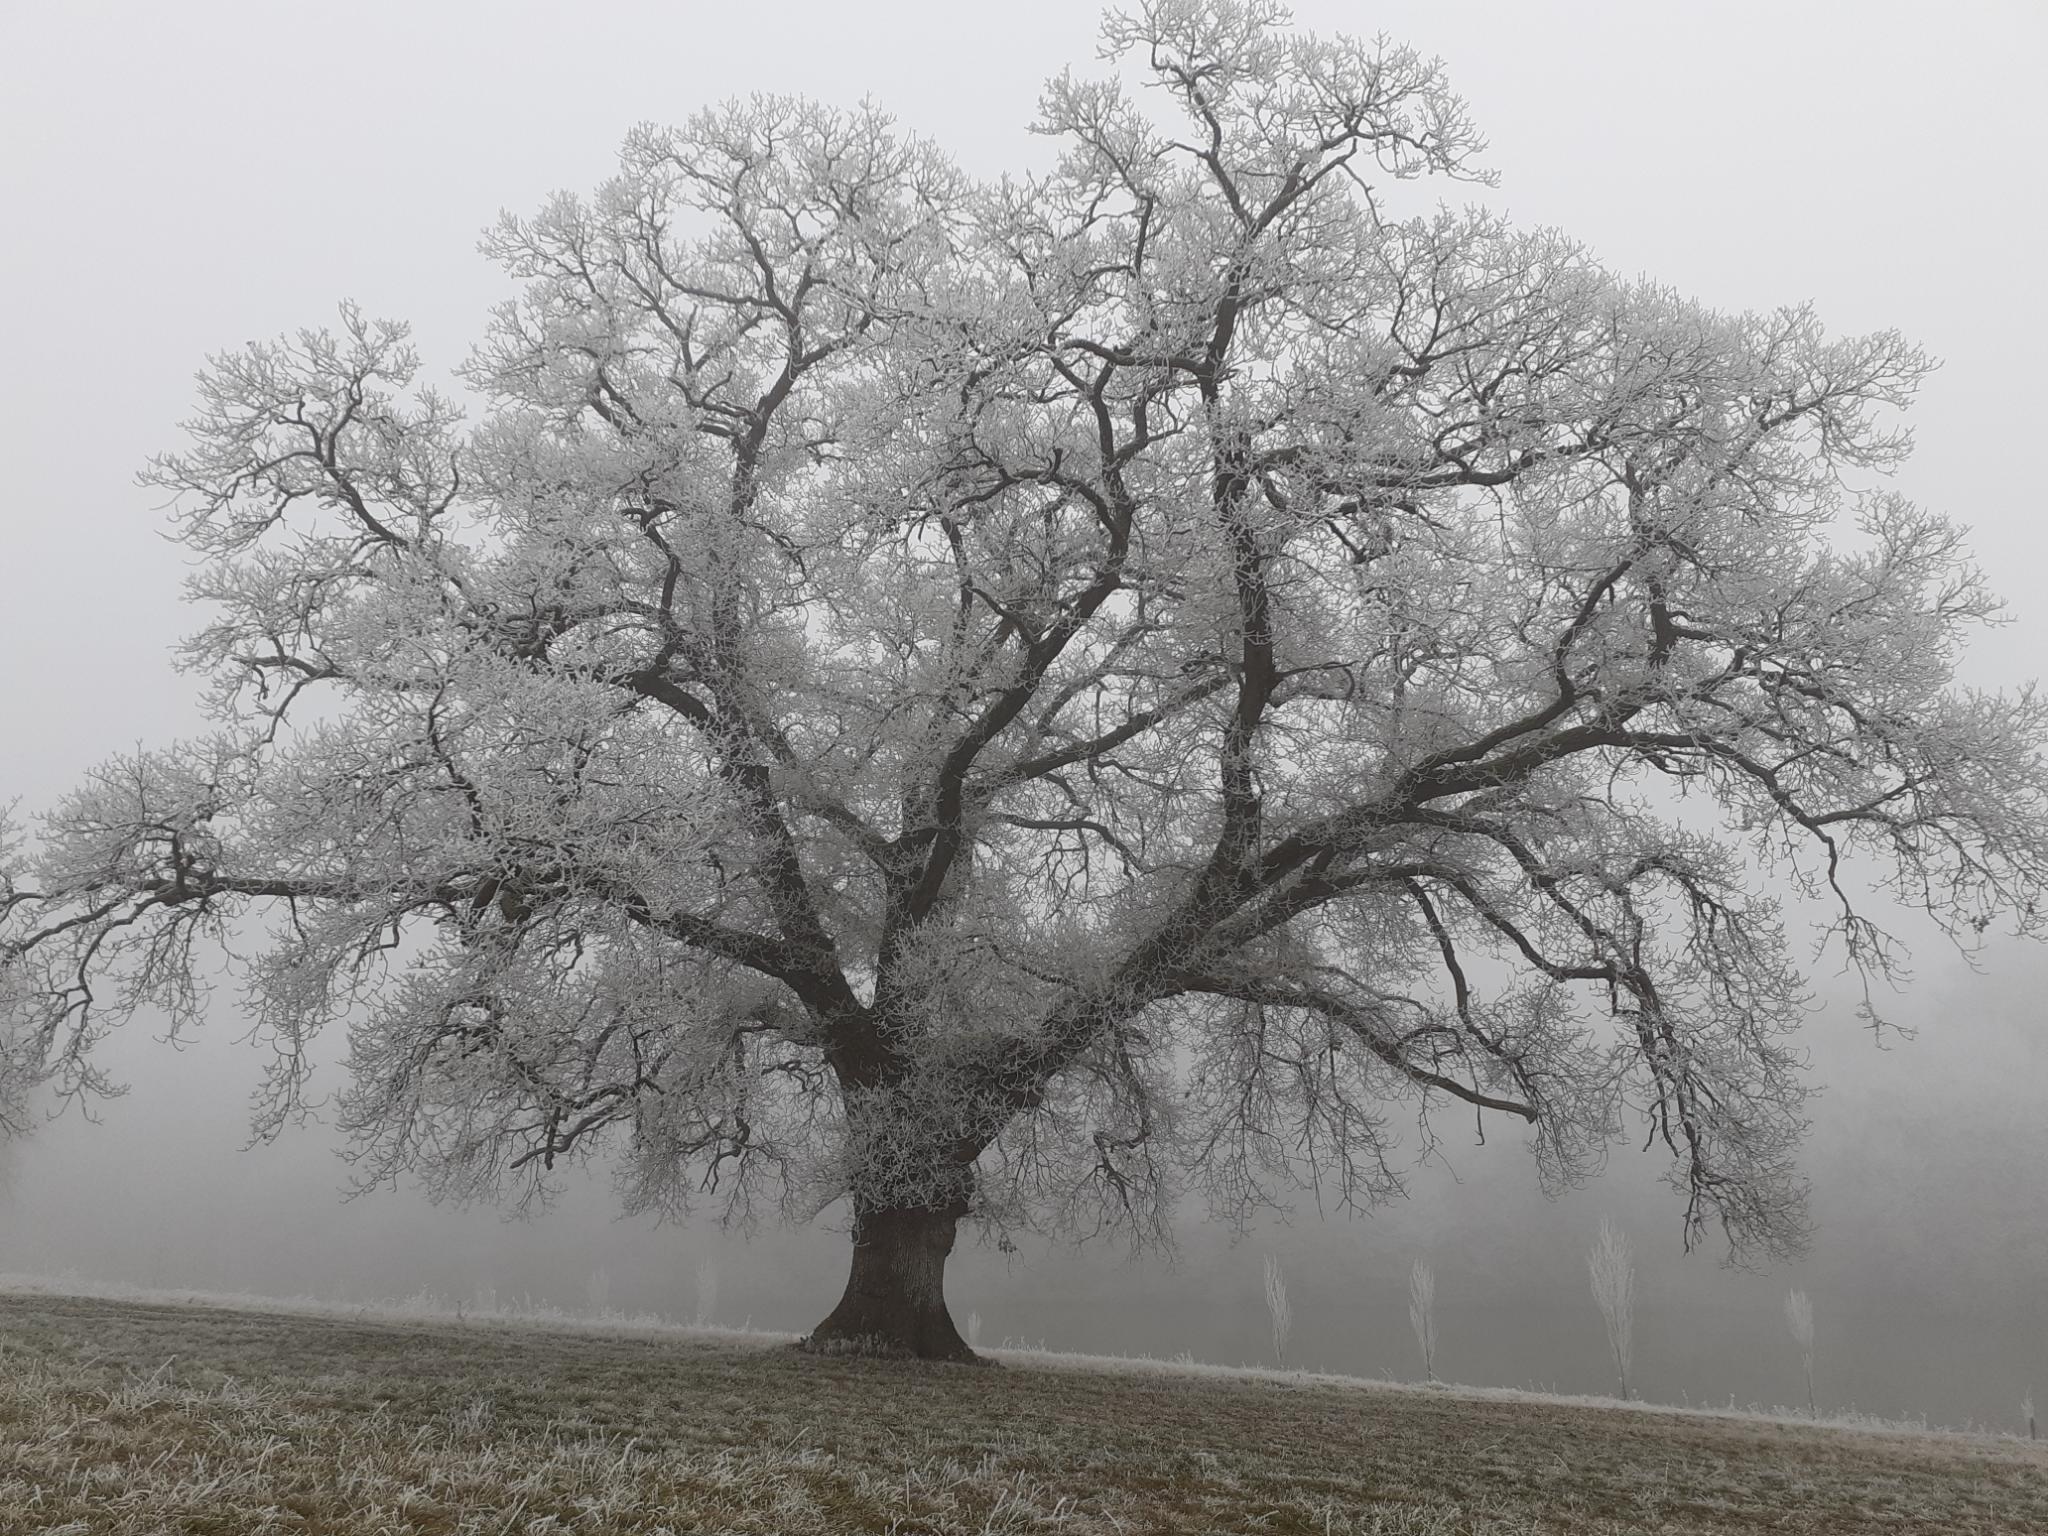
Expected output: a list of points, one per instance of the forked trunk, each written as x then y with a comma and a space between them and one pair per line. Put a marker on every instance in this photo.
895, 1300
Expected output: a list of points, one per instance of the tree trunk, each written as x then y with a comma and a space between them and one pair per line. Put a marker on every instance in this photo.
895, 1300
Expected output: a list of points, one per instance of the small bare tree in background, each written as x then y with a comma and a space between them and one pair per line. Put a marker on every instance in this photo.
1799, 1317
707, 1291
1614, 1287
974, 1330
1422, 1314
2027, 1413
597, 1292
1278, 1309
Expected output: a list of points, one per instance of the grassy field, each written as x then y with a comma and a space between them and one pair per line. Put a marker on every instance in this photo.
123, 1416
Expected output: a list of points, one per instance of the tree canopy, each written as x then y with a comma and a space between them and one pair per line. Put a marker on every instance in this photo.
1019, 699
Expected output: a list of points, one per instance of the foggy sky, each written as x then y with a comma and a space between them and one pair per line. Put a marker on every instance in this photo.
178, 180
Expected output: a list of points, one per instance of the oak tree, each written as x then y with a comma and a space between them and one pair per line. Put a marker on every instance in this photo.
1016, 700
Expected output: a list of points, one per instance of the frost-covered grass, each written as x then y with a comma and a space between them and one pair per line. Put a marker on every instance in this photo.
141, 1414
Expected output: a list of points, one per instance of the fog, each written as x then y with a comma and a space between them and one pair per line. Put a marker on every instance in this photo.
180, 179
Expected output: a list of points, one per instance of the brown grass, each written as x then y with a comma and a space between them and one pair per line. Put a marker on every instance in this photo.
129, 1417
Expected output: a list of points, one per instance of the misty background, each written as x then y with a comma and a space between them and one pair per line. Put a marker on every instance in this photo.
179, 180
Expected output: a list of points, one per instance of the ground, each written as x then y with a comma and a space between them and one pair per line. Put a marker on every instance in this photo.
132, 1417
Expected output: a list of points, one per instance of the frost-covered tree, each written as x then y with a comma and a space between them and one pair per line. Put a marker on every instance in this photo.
1799, 1318
1278, 1311
1010, 700
1612, 1265
1422, 1314
707, 1291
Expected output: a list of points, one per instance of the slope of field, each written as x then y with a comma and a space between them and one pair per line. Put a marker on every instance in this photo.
131, 1417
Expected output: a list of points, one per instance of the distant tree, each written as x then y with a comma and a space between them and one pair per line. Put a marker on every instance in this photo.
1613, 1266
1799, 1318
1014, 700
1278, 1311
707, 1291
1422, 1314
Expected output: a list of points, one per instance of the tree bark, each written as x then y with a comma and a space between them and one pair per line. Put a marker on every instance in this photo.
895, 1299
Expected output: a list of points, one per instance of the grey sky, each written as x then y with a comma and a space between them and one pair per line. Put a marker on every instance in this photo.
179, 179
